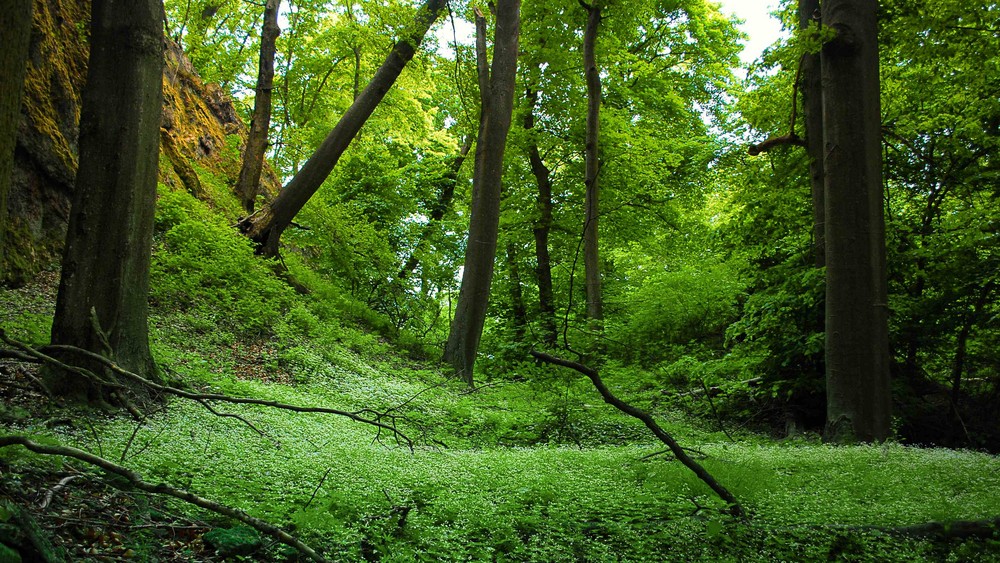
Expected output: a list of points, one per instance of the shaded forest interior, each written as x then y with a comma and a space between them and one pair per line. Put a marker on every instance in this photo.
440, 280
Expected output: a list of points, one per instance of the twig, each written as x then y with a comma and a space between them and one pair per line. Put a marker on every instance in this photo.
715, 412
316, 490
135, 432
52, 492
199, 397
164, 489
734, 506
263, 434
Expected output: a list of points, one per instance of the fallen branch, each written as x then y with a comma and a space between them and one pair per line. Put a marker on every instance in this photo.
40, 356
734, 506
164, 489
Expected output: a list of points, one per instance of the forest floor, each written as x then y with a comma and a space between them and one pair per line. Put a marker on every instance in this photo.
533, 468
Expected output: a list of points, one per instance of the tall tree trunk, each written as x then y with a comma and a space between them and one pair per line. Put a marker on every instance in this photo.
497, 97
591, 252
248, 185
519, 312
543, 224
15, 21
265, 226
857, 349
446, 194
810, 84
101, 305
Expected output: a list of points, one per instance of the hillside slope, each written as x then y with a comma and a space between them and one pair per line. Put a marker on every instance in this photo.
201, 130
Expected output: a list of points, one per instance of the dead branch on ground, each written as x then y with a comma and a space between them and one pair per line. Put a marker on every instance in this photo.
164, 489
734, 506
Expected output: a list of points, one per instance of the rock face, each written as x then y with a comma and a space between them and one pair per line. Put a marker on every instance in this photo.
201, 133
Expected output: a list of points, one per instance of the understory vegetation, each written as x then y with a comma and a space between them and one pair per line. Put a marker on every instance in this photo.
604, 398
532, 466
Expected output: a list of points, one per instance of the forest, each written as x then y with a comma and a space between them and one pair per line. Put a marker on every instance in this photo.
539, 280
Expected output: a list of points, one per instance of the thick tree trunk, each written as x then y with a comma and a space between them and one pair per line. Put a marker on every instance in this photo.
101, 304
591, 252
248, 185
811, 87
265, 226
446, 194
543, 224
15, 21
857, 349
497, 94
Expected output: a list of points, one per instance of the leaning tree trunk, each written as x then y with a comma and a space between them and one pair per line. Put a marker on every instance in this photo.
446, 194
542, 227
101, 305
857, 349
497, 97
15, 21
591, 253
265, 226
810, 84
248, 184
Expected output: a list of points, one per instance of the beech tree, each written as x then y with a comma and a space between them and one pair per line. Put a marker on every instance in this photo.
857, 342
15, 20
248, 184
496, 91
542, 225
266, 226
810, 86
102, 300
591, 250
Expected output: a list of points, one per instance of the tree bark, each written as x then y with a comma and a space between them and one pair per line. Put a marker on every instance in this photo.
810, 85
591, 252
248, 184
857, 349
102, 300
447, 193
497, 96
15, 21
265, 226
543, 224
519, 312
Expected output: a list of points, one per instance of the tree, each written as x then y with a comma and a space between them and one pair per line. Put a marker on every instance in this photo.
496, 91
445, 195
266, 226
102, 300
591, 251
542, 225
15, 20
857, 344
812, 108
248, 184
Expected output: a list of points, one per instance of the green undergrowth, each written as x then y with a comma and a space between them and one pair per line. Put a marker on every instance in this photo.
531, 467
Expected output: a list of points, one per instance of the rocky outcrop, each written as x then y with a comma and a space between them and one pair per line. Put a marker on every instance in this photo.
201, 135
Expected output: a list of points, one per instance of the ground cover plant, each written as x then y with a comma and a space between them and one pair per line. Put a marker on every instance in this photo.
582, 286
523, 471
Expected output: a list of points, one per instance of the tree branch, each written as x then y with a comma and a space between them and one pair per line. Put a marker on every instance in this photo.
790, 139
734, 506
164, 489
38, 355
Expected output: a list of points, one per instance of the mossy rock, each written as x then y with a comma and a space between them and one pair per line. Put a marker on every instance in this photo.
239, 540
